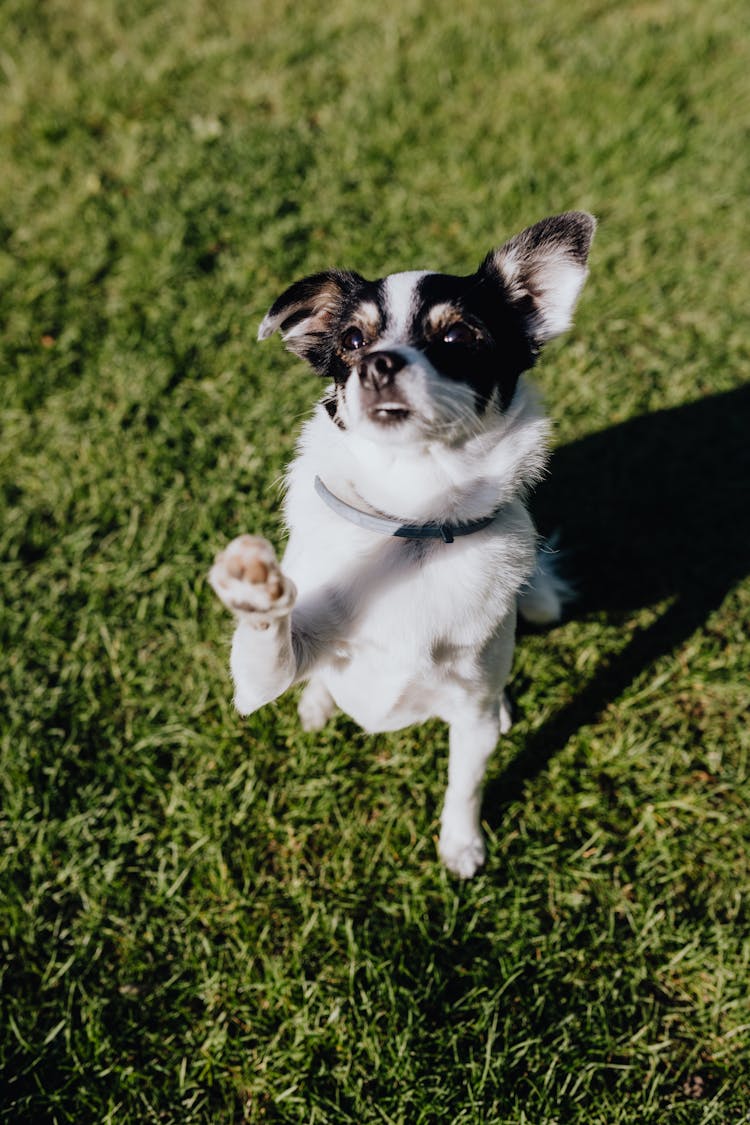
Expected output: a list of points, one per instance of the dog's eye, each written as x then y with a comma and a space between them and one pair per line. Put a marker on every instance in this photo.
352, 340
458, 333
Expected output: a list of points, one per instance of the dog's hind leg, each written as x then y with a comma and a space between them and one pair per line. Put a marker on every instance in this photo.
473, 737
316, 705
542, 599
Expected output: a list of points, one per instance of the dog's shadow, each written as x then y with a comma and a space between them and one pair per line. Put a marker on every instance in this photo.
654, 511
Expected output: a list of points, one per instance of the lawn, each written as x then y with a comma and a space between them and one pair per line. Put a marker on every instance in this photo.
210, 919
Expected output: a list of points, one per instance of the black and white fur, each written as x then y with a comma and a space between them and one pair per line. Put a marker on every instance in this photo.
427, 418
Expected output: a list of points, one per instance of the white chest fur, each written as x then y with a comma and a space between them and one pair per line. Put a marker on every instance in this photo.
409, 626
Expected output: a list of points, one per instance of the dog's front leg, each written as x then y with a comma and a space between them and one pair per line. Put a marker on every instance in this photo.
473, 737
248, 580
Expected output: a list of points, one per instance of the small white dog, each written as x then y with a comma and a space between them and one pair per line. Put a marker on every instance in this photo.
410, 546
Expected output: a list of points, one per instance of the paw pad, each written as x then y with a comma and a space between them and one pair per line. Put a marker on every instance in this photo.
247, 578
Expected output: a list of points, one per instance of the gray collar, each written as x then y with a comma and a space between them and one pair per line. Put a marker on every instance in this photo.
386, 525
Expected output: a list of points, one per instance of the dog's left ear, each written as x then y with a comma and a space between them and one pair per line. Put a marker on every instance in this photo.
306, 311
542, 271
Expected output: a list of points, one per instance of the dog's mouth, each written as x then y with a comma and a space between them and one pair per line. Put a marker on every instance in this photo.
388, 413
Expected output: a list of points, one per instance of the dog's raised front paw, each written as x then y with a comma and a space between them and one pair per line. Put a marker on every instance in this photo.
247, 579
462, 855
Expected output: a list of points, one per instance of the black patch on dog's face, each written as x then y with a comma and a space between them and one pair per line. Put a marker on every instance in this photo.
471, 333
331, 407
363, 309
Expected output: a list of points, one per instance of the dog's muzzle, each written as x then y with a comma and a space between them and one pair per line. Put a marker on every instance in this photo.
382, 399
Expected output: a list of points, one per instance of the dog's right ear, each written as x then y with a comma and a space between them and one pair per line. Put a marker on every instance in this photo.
305, 313
542, 271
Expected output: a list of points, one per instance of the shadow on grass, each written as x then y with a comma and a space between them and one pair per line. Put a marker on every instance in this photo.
656, 508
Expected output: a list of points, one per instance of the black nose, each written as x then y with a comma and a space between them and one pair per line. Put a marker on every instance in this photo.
377, 370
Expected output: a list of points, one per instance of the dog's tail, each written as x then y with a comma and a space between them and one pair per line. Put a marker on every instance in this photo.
543, 597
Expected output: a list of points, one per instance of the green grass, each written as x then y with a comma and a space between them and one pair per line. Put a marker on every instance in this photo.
206, 919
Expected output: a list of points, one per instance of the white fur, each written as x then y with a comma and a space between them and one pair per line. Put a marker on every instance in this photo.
389, 637
553, 276
563, 280
397, 631
400, 289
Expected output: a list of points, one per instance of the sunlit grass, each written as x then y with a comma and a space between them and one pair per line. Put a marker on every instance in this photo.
211, 919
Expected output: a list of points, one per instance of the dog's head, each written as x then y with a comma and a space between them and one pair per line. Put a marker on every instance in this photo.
431, 354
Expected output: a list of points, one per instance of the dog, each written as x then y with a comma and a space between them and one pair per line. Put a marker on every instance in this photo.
410, 546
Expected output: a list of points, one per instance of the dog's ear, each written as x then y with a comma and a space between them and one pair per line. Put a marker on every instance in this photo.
305, 313
542, 271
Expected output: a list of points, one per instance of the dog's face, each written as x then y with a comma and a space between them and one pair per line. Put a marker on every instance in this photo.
433, 355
